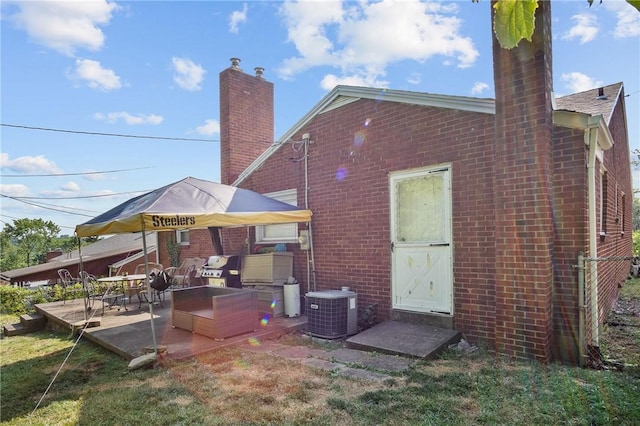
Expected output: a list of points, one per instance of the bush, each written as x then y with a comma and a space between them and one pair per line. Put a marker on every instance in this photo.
636, 243
19, 300
16, 300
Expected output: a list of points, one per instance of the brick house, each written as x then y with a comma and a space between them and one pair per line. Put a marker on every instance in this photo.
463, 212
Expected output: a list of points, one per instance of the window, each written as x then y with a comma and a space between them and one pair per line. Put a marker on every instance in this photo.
182, 237
284, 232
603, 203
624, 213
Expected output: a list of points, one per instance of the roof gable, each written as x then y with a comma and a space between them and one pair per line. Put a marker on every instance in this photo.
594, 102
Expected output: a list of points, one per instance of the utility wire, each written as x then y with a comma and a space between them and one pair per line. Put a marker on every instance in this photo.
119, 135
78, 174
64, 362
47, 208
79, 197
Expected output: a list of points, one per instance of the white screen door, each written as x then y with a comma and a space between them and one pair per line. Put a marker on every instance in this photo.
421, 240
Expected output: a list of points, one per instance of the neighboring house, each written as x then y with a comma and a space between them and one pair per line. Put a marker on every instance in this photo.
117, 253
462, 212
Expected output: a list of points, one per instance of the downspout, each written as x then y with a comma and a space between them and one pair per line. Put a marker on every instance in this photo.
582, 346
591, 134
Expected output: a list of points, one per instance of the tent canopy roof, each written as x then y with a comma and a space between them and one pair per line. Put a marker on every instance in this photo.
189, 204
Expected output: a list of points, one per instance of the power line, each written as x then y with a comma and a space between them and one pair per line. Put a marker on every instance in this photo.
118, 135
78, 174
43, 206
80, 197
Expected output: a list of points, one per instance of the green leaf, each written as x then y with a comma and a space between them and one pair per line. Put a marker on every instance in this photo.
635, 3
514, 20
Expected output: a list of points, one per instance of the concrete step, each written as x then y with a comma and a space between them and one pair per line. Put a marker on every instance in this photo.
405, 339
14, 329
28, 324
33, 322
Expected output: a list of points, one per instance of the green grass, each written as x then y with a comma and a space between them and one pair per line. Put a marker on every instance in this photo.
494, 391
246, 388
94, 387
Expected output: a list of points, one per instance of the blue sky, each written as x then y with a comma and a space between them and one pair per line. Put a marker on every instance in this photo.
151, 69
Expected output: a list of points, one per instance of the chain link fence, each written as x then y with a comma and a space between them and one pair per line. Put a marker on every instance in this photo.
597, 291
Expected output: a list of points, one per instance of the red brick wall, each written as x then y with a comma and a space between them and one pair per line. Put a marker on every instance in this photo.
246, 118
200, 245
570, 226
351, 216
522, 184
619, 192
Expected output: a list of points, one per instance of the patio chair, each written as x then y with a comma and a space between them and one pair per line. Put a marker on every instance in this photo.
94, 292
183, 274
66, 280
154, 268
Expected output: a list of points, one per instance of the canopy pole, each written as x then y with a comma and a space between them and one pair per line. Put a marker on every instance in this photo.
149, 294
84, 286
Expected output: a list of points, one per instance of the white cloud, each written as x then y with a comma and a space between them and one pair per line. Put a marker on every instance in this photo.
70, 187
14, 190
370, 35
238, 17
95, 76
415, 78
585, 28
628, 24
479, 87
188, 75
29, 165
65, 25
91, 176
578, 82
130, 119
210, 127
330, 81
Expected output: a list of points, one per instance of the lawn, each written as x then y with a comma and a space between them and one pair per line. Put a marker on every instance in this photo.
247, 388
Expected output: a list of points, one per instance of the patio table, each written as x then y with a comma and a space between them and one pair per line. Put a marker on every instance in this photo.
125, 285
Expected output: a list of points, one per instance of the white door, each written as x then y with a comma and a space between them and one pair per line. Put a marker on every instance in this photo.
421, 248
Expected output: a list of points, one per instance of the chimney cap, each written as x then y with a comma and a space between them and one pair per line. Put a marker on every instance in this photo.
259, 71
235, 63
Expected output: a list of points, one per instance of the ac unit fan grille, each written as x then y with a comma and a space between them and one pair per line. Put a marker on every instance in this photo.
327, 317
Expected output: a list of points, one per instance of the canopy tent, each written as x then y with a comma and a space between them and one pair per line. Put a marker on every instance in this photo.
190, 204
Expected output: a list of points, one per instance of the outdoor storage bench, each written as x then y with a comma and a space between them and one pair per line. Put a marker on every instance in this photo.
216, 312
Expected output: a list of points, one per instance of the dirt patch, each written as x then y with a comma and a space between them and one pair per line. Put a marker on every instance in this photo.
277, 389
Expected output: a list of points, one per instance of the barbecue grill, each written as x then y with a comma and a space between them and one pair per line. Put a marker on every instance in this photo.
222, 271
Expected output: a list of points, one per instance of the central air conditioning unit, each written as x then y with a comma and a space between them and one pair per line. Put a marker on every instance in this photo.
332, 314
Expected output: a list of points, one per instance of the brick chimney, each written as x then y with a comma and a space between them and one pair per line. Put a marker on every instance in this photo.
52, 254
523, 210
246, 119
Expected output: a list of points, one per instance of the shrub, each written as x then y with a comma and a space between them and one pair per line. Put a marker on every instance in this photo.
16, 300
19, 300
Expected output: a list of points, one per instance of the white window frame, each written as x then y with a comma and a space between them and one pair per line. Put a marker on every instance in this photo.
284, 232
182, 237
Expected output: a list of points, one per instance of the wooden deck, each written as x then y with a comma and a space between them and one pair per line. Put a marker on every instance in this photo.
128, 332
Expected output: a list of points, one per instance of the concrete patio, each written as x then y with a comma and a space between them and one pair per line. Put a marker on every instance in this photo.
128, 332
